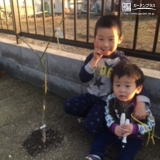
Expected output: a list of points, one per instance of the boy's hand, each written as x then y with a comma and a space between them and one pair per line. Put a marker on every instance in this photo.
118, 131
139, 111
97, 55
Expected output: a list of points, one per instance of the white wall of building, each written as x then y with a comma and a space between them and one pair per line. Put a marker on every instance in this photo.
21, 3
57, 4
6, 1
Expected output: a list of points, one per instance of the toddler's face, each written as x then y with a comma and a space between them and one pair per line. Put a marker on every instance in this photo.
107, 39
125, 88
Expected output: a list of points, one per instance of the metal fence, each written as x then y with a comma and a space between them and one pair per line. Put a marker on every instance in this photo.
38, 19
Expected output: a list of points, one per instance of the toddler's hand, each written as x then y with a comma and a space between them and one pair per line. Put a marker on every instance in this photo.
118, 131
127, 129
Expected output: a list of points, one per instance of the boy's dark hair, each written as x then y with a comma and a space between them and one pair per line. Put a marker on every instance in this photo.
131, 70
109, 21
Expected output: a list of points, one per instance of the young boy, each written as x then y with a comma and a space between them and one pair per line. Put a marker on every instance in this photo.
127, 81
96, 71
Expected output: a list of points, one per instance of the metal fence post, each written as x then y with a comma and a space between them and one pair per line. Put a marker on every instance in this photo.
16, 27
113, 5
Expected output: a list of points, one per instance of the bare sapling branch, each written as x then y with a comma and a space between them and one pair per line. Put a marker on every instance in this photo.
43, 66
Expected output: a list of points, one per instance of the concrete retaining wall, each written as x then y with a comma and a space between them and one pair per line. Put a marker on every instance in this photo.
62, 69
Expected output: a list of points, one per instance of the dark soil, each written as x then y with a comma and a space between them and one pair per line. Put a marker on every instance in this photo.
34, 144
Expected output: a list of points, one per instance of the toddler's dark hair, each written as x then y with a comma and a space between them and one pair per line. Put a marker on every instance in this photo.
109, 21
131, 70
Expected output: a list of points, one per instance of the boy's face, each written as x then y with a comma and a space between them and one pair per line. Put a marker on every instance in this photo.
107, 39
125, 88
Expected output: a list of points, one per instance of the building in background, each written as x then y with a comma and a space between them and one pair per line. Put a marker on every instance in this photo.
47, 5
95, 5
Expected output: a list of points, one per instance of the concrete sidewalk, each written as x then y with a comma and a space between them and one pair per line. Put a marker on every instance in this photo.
21, 114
